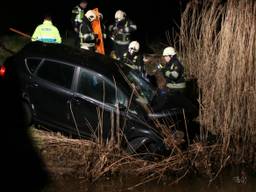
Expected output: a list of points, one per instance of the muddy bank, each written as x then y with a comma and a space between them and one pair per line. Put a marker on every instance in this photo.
68, 160
78, 158
66, 157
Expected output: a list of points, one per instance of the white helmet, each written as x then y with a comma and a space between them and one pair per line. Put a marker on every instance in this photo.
134, 46
90, 15
120, 15
169, 51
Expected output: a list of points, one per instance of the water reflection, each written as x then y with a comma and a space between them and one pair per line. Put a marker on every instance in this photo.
224, 183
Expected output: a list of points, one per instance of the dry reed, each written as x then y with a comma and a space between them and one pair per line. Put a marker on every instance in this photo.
217, 43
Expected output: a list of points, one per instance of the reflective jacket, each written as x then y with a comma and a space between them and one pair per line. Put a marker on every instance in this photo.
134, 61
87, 37
174, 74
121, 31
47, 33
77, 16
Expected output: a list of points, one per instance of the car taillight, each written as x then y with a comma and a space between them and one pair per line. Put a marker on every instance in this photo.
2, 71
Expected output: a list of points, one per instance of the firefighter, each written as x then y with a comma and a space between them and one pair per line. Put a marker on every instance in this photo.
46, 32
173, 71
133, 58
88, 39
120, 33
77, 18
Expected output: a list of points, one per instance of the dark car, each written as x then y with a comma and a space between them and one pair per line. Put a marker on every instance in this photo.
88, 95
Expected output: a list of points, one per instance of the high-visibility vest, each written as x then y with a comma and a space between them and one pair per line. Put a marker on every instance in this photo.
79, 14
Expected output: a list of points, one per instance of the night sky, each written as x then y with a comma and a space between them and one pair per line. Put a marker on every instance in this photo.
152, 17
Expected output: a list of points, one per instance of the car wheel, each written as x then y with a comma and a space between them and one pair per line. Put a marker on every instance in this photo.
27, 114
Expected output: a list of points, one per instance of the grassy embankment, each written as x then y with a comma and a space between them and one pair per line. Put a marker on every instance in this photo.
10, 44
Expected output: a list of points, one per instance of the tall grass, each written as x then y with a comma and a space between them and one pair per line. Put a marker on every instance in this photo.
218, 43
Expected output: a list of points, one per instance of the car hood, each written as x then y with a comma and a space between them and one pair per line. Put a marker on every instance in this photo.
172, 104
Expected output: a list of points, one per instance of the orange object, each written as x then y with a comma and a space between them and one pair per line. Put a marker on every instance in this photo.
96, 27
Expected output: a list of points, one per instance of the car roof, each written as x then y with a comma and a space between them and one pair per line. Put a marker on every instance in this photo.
79, 57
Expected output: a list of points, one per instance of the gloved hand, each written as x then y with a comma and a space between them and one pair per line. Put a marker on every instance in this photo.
97, 41
96, 35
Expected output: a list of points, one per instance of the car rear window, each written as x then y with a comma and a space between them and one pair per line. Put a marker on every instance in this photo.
58, 73
32, 64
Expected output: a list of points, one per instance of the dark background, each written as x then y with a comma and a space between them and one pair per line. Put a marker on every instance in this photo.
153, 17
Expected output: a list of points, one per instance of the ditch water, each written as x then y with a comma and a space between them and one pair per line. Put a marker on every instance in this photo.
229, 181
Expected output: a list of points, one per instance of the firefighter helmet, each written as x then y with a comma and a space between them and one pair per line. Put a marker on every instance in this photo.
169, 51
134, 47
91, 16
120, 15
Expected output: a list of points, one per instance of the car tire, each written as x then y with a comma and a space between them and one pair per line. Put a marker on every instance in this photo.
27, 114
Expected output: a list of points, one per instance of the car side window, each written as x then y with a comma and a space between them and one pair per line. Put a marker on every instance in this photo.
94, 85
32, 64
57, 73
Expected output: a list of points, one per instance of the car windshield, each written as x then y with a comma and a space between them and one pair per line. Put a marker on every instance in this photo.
144, 88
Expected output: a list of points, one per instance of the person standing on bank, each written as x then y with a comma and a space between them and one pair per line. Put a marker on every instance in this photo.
120, 33
77, 18
88, 39
173, 71
46, 32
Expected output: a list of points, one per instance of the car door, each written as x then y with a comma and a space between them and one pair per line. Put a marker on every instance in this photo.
94, 103
50, 92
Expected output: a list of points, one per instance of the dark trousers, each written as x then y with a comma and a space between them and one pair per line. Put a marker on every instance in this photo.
76, 40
